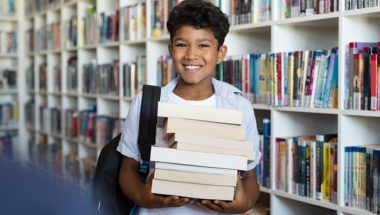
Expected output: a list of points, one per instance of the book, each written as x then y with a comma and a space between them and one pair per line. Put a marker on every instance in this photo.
219, 130
199, 113
168, 155
198, 191
212, 149
191, 168
187, 137
195, 177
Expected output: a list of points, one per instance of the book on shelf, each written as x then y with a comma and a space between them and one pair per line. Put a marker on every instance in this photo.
165, 70
219, 115
361, 76
53, 36
354, 4
220, 130
195, 177
87, 167
30, 113
245, 12
6, 145
87, 125
57, 86
29, 73
71, 123
198, 191
108, 78
88, 27
168, 155
8, 7
71, 32
109, 26
361, 177
107, 127
289, 9
264, 166
307, 166
40, 39
296, 79
133, 22
72, 75
55, 120
134, 76
89, 77
8, 79
8, 42
42, 70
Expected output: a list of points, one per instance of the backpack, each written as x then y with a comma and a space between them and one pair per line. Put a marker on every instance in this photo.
107, 194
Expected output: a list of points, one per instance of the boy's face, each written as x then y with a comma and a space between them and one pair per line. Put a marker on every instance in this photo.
195, 54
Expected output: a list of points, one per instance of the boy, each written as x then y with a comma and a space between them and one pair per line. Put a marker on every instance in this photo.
197, 31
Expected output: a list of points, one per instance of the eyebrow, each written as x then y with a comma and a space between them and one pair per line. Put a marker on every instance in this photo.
198, 40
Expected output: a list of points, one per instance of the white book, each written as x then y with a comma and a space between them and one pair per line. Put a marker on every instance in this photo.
219, 130
191, 168
210, 114
195, 177
198, 191
168, 155
210, 141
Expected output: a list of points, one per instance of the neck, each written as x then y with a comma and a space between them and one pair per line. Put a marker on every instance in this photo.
193, 92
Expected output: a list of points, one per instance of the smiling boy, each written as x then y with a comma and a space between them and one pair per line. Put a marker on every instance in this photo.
197, 31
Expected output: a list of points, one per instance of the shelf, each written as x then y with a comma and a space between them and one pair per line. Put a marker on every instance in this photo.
42, 92
128, 99
71, 49
71, 94
55, 93
307, 110
88, 47
72, 140
109, 45
356, 211
8, 128
305, 200
89, 95
265, 189
361, 113
31, 91
365, 12
8, 55
260, 26
108, 97
55, 135
319, 20
164, 38
8, 18
134, 42
261, 107
8, 91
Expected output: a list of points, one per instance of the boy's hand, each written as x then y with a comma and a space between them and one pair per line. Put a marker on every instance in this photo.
240, 204
160, 201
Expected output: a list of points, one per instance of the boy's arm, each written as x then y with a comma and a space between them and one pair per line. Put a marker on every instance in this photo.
247, 193
134, 188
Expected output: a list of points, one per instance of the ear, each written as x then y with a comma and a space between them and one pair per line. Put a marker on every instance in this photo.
222, 52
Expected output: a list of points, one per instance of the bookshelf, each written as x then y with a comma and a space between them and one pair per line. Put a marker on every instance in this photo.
66, 60
10, 80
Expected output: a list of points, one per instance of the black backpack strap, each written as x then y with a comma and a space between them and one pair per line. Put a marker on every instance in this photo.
148, 121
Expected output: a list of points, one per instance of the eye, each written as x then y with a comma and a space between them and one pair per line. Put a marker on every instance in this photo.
203, 45
180, 45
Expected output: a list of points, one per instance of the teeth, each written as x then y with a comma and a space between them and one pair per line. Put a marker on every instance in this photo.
191, 67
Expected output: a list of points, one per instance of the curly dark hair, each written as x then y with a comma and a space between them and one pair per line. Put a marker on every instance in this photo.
199, 14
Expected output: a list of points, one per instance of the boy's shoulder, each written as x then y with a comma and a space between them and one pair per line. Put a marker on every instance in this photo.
230, 93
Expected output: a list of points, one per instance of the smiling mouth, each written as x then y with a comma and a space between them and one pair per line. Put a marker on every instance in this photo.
192, 68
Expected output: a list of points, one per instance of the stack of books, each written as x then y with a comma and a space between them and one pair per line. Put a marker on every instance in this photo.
207, 149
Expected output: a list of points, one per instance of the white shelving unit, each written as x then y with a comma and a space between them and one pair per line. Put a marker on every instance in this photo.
310, 32
14, 61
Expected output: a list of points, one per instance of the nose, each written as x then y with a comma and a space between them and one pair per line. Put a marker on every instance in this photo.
191, 54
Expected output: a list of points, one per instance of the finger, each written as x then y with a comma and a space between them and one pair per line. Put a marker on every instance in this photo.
222, 204
211, 205
170, 199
